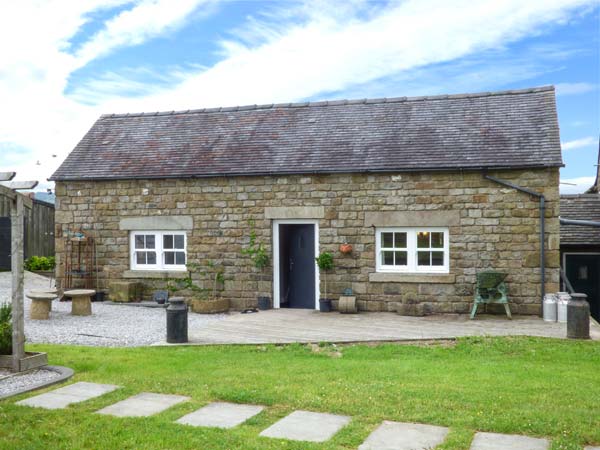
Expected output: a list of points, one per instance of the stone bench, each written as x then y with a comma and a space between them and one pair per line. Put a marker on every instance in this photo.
81, 301
40, 304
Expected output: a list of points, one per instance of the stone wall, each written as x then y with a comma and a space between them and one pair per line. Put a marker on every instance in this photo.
495, 227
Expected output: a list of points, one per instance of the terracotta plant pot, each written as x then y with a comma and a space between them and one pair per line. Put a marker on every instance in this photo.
346, 248
210, 306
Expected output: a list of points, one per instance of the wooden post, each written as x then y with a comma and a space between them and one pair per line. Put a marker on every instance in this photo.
18, 324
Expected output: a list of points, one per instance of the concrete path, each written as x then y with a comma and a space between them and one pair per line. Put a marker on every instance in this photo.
65, 396
307, 426
495, 441
221, 415
592, 448
302, 325
404, 436
143, 405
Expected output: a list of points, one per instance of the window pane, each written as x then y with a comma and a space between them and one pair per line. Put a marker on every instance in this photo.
387, 258
140, 257
150, 241
437, 258
169, 257
168, 241
401, 258
387, 240
437, 240
400, 240
180, 258
179, 241
139, 241
423, 258
151, 256
423, 239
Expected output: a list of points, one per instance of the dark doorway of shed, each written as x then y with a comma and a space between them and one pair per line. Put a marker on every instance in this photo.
5, 245
297, 266
583, 271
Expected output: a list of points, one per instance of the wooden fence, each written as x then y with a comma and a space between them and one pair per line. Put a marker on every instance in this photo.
39, 230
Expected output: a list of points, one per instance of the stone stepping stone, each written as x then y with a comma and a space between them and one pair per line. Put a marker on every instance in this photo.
221, 415
591, 448
307, 426
404, 436
143, 405
495, 441
73, 393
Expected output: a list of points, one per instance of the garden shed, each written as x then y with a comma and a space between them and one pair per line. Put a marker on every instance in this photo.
38, 232
427, 191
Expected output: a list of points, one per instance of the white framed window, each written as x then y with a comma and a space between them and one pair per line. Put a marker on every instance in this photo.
412, 250
158, 250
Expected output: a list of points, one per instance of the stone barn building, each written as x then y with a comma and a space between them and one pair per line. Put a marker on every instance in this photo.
417, 186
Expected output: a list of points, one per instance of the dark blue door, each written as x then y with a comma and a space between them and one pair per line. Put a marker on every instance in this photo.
297, 265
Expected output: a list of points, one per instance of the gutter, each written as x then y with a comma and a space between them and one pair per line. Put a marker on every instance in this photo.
542, 201
304, 172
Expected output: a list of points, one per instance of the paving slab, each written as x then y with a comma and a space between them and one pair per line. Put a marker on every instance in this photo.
143, 405
495, 441
67, 395
307, 426
592, 448
221, 415
404, 436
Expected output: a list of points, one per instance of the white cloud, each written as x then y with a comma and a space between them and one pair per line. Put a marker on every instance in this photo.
576, 185
285, 55
574, 88
579, 143
322, 53
148, 19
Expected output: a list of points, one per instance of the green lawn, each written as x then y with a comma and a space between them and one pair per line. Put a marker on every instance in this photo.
533, 386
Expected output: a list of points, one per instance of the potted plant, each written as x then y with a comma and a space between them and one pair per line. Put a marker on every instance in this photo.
325, 263
42, 265
260, 258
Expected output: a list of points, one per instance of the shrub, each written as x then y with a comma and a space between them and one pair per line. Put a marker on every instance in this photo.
40, 263
5, 329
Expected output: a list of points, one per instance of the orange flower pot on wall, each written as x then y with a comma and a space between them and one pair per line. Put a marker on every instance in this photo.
346, 248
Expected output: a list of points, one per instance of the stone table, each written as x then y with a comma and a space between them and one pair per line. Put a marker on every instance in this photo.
40, 305
81, 302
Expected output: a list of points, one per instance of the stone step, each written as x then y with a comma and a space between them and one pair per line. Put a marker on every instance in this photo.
307, 426
221, 415
143, 405
67, 395
404, 436
496, 441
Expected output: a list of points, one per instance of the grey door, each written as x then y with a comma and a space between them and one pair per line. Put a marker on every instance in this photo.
297, 266
5, 243
583, 271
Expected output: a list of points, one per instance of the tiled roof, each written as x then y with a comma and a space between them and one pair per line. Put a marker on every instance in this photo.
580, 207
488, 130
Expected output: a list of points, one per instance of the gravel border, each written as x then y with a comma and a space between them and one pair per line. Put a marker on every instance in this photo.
110, 325
61, 374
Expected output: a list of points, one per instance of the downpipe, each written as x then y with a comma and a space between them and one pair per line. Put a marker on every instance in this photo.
542, 201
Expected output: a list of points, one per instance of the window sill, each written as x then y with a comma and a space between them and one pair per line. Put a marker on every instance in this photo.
396, 277
155, 274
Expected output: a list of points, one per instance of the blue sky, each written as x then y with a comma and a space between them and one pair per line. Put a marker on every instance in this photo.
70, 61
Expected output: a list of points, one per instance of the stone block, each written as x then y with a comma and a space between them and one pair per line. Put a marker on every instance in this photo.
124, 291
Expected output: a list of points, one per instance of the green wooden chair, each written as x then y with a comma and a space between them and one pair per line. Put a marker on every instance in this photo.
490, 289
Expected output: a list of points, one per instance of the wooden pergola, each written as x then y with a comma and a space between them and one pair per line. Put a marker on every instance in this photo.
9, 189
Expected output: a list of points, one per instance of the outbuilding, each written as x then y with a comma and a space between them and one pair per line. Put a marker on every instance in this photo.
426, 190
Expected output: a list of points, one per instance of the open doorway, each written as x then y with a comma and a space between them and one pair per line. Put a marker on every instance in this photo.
296, 275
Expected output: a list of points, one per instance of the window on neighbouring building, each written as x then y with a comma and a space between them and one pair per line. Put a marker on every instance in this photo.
412, 250
158, 250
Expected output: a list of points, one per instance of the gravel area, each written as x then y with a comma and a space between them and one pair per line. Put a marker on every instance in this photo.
108, 326
9, 384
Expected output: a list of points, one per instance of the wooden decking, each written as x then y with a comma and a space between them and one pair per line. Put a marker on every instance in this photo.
299, 325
